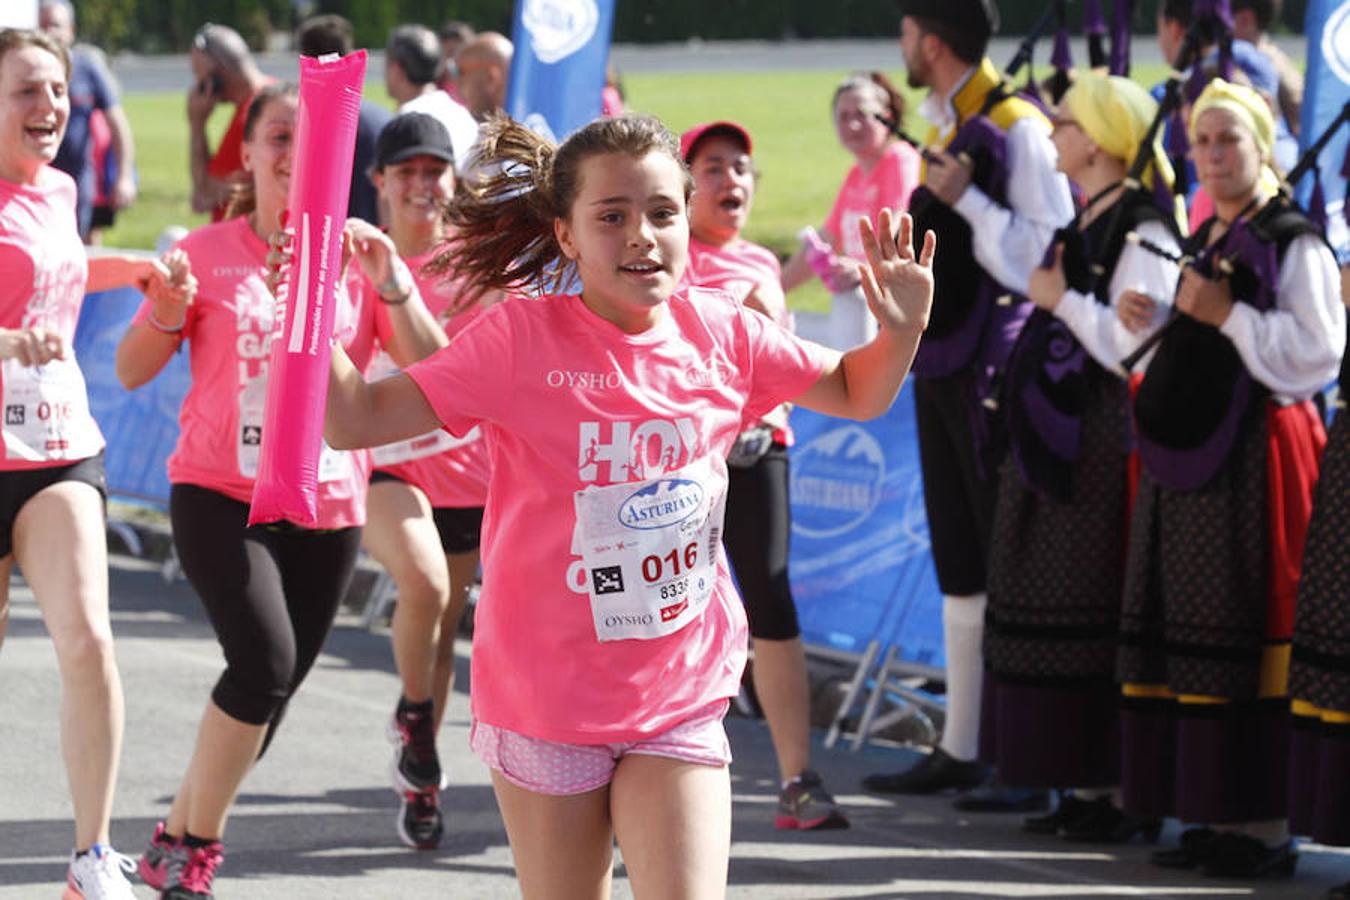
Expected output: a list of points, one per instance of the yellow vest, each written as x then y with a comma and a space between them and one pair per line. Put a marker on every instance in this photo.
970, 99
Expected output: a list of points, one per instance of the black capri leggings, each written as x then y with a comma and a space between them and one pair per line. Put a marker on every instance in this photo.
758, 525
271, 594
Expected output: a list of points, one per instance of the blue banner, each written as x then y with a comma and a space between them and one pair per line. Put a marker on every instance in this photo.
860, 563
141, 426
558, 69
1326, 91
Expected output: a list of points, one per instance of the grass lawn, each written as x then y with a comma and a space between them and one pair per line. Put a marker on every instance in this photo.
787, 113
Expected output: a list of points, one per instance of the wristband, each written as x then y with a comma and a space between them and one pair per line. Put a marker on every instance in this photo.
159, 326
399, 286
397, 299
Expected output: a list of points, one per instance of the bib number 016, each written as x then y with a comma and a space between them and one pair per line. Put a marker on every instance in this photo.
654, 568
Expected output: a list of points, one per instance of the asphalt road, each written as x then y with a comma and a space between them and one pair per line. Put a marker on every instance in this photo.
316, 818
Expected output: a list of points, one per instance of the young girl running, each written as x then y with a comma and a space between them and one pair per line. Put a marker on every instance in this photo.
52, 485
609, 639
426, 494
758, 520
270, 591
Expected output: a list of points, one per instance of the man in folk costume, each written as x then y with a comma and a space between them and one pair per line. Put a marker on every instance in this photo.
992, 195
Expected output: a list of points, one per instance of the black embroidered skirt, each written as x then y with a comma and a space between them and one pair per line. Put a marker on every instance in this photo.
1194, 622
1050, 709
1319, 672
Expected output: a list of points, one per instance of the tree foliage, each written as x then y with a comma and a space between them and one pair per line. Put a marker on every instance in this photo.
168, 25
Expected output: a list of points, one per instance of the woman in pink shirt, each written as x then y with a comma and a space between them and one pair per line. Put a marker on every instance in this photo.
608, 638
885, 173
758, 521
270, 591
52, 485
426, 493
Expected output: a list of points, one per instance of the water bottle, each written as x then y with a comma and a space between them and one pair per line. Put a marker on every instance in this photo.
819, 255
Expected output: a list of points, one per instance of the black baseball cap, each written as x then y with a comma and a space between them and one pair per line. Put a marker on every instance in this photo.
412, 134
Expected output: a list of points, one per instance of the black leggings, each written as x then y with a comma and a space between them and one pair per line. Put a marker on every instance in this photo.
758, 525
271, 594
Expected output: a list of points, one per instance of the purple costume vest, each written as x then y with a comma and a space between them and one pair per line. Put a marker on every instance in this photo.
1197, 394
1050, 374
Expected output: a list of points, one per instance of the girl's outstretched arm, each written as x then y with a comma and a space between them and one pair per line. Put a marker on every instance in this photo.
368, 415
862, 383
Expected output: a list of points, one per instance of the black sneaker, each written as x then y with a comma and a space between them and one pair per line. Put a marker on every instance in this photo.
419, 819
805, 805
1242, 856
1069, 810
415, 766
938, 771
1105, 823
1189, 852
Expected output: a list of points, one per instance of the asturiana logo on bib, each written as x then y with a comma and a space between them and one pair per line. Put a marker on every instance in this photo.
559, 28
662, 504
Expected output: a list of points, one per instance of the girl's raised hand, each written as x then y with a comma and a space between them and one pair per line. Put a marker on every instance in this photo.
899, 288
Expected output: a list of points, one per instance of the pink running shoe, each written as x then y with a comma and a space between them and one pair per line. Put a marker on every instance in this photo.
162, 859
198, 872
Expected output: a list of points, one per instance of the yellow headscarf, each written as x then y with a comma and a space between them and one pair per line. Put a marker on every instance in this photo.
1252, 110
1115, 113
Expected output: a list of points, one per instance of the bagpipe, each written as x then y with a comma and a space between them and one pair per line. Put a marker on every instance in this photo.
1212, 262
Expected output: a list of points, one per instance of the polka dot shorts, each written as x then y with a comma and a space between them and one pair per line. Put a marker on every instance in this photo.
556, 769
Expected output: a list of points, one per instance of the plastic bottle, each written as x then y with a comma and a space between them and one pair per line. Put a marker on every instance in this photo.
819, 255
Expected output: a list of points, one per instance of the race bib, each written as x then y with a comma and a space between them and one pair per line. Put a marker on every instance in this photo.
420, 447
47, 412
334, 465
650, 549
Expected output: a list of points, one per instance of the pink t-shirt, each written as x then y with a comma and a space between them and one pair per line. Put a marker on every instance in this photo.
738, 268
570, 404
43, 272
866, 194
457, 475
229, 335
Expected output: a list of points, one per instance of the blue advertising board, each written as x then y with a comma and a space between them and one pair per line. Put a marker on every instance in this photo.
860, 563
1326, 91
558, 69
141, 426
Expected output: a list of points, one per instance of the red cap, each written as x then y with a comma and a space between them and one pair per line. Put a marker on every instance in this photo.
691, 137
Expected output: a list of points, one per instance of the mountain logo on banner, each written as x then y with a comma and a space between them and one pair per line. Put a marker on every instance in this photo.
836, 482
559, 28
1336, 42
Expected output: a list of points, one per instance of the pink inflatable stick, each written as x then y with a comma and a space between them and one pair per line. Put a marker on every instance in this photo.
297, 388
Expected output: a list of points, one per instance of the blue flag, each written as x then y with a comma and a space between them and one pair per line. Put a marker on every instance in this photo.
558, 69
1327, 90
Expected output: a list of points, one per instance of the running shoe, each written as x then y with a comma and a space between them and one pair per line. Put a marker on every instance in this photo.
161, 860
419, 819
805, 805
197, 873
100, 874
415, 766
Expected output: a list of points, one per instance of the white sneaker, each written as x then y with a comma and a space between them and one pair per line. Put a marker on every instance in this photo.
98, 875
